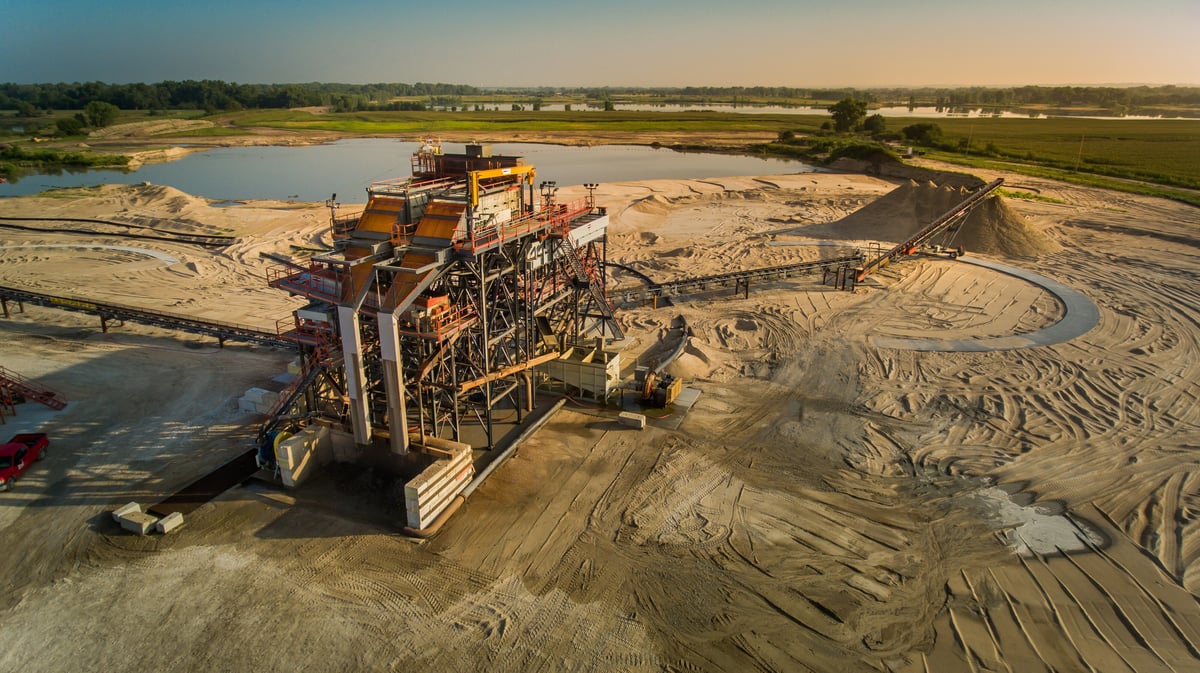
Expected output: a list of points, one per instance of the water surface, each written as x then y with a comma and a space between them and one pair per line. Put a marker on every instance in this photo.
347, 167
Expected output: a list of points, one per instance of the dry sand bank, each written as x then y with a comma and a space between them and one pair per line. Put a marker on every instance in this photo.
828, 505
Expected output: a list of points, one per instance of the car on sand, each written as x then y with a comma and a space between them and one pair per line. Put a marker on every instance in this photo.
18, 454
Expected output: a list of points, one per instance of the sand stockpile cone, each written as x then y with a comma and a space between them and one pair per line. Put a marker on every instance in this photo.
991, 227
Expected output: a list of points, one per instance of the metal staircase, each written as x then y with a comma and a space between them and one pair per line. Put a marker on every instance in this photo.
584, 278
16, 384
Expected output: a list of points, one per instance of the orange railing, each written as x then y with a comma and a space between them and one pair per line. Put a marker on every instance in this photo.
556, 220
401, 185
341, 227
314, 281
441, 326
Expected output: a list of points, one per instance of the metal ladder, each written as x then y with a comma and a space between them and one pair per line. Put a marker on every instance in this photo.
15, 383
597, 292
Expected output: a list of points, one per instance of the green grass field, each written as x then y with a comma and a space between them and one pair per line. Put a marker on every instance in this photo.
428, 122
1162, 151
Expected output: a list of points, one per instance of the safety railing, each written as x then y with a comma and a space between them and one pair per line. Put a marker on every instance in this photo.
314, 281
440, 326
554, 220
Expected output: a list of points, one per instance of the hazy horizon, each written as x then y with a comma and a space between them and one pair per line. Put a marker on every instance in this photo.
620, 43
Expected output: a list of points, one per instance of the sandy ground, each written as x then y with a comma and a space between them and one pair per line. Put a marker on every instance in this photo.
828, 505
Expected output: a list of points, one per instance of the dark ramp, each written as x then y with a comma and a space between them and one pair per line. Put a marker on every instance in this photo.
209, 486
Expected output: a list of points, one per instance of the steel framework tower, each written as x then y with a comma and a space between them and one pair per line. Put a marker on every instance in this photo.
442, 298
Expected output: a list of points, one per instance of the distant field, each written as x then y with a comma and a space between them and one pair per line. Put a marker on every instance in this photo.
1161, 151
528, 121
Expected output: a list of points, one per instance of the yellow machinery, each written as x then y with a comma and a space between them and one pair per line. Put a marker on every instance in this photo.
659, 390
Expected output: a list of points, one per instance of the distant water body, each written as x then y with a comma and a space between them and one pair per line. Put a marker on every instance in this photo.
896, 111
347, 167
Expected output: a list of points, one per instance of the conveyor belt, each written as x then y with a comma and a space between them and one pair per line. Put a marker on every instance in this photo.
736, 279
203, 240
948, 219
106, 311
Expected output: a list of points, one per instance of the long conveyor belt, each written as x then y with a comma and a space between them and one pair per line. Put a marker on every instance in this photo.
107, 311
739, 280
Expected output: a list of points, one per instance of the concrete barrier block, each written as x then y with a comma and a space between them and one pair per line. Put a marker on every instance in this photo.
169, 522
255, 394
344, 448
632, 420
124, 510
138, 522
268, 401
298, 455
429, 493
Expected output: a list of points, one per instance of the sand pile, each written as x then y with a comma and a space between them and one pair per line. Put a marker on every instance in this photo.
697, 361
168, 199
991, 227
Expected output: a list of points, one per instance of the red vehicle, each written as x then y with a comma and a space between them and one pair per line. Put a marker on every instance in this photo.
18, 454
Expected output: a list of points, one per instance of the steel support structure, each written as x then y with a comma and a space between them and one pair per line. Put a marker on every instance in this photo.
441, 327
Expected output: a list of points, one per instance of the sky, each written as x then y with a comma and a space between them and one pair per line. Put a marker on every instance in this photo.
640, 43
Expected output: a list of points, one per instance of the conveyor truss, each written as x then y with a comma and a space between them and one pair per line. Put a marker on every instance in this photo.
948, 223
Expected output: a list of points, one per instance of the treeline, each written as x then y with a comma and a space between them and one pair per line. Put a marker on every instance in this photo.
695, 93
216, 95
1057, 96
211, 95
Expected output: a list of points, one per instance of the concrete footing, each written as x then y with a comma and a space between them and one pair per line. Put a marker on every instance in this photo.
632, 420
428, 494
299, 455
169, 523
258, 401
138, 522
125, 509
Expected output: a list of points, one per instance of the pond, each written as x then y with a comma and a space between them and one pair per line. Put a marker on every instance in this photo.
347, 167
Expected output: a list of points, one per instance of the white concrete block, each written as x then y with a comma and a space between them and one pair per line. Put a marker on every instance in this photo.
169, 522
138, 522
125, 509
428, 494
632, 420
268, 401
299, 455
255, 394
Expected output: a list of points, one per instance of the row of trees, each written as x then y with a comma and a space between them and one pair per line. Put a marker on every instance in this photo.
216, 95
849, 115
1056, 96
207, 95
